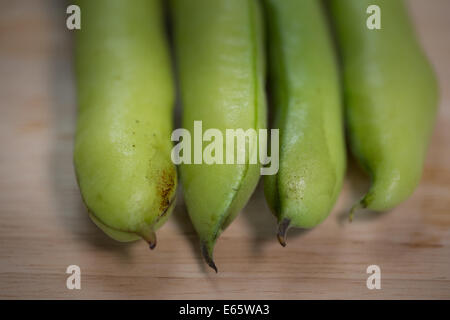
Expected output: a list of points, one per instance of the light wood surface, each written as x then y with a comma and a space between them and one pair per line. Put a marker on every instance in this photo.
44, 226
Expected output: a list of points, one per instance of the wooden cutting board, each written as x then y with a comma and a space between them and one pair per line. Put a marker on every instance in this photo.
44, 227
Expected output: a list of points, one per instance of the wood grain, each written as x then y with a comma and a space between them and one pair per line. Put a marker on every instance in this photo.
44, 226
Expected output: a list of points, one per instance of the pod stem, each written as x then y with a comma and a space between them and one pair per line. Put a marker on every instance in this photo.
207, 255
283, 227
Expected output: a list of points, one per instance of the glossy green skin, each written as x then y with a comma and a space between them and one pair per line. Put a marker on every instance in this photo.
307, 106
125, 92
220, 60
390, 98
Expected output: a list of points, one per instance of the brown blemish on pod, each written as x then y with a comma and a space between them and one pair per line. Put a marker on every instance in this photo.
165, 187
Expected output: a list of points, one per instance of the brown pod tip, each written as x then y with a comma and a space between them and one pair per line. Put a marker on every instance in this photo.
150, 237
283, 227
207, 256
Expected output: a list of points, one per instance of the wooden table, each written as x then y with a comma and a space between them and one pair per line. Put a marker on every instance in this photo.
44, 227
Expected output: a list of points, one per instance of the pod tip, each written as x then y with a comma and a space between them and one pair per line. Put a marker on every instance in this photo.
150, 237
356, 206
207, 256
282, 231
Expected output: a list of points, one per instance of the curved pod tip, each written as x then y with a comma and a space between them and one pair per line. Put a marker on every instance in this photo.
150, 237
283, 227
207, 256
356, 206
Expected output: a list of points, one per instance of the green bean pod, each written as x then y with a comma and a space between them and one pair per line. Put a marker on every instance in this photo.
304, 83
219, 52
125, 95
390, 97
